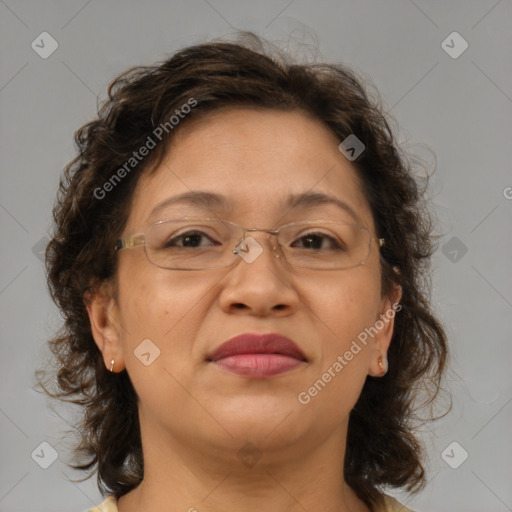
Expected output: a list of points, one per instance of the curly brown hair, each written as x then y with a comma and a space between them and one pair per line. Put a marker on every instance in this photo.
382, 449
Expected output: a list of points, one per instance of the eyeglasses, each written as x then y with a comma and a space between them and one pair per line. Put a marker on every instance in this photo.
201, 244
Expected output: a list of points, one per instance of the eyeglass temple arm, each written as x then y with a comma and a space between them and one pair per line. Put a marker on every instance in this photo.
128, 242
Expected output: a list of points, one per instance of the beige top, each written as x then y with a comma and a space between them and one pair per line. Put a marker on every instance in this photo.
390, 505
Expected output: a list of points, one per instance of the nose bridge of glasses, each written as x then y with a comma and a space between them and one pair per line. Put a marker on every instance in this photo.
272, 235
244, 245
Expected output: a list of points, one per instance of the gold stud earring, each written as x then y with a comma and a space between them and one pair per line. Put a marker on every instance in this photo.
112, 365
383, 363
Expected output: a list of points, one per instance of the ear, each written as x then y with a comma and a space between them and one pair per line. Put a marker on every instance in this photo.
383, 329
102, 309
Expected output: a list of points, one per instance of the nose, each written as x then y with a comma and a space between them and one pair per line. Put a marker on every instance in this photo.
262, 285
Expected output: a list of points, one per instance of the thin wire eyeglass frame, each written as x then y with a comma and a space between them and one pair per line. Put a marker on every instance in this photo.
139, 240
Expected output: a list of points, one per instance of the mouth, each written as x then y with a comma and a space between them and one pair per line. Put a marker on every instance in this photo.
258, 355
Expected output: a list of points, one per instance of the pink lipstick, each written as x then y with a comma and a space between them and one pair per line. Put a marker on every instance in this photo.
258, 355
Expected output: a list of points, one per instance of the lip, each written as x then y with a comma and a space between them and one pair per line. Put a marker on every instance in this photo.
258, 355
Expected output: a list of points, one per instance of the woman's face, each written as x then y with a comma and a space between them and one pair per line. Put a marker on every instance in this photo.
256, 160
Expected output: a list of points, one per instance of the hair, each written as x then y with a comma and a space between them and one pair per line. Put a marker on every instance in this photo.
382, 449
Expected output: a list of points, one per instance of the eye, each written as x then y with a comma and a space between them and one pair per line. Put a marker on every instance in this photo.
188, 239
314, 240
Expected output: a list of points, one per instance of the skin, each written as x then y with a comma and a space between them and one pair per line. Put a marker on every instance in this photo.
194, 416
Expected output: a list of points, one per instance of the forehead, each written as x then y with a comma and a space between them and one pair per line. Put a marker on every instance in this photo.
259, 163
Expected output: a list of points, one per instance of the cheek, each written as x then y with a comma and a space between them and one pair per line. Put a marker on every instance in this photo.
155, 333
344, 310
346, 304
148, 297
338, 375
161, 307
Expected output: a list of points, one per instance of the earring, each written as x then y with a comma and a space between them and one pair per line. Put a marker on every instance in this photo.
112, 365
383, 363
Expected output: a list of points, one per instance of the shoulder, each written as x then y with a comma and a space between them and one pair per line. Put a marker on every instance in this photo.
392, 505
109, 505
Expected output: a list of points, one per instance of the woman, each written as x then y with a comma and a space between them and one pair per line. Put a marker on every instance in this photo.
241, 255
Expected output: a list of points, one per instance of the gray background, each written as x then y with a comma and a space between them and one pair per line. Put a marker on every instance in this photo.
459, 107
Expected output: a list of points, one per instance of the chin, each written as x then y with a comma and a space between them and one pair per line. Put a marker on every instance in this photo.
261, 419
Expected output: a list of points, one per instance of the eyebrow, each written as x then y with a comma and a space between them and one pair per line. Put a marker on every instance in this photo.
212, 201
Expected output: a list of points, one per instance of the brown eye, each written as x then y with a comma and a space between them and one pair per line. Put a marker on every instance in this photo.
315, 241
188, 239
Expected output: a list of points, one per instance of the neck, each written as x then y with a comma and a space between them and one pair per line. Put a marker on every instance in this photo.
183, 475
